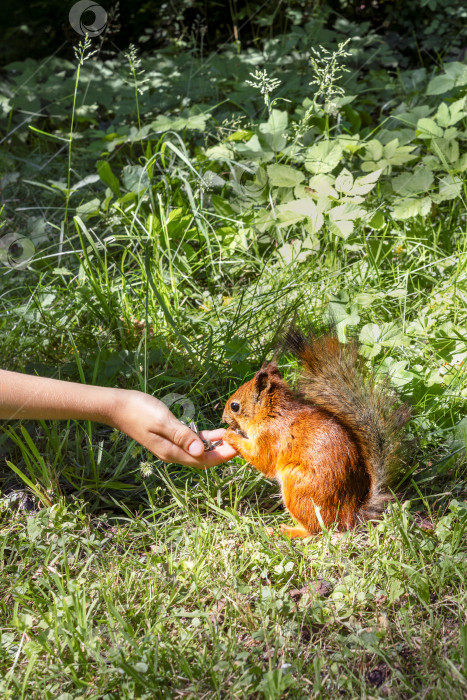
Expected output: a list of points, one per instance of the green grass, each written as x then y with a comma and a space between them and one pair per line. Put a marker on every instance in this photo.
129, 581
193, 599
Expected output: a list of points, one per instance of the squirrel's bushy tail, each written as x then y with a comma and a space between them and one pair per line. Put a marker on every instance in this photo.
333, 379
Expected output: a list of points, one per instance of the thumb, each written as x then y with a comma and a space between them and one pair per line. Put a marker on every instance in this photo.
183, 437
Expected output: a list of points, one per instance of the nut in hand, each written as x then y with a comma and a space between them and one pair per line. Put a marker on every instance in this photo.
208, 445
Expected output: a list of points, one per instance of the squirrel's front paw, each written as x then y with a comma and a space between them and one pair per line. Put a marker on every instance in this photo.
270, 531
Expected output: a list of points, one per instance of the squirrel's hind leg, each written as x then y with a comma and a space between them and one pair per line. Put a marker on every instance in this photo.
296, 531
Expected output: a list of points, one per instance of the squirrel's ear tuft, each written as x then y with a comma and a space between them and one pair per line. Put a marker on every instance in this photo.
273, 370
264, 379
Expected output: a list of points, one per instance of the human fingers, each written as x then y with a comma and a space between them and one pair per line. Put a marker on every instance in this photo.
175, 432
213, 435
170, 452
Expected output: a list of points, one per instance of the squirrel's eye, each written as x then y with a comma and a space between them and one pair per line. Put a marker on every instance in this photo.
235, 406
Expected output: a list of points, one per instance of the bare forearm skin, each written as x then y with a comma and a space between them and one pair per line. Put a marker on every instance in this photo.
25, 396
141, 416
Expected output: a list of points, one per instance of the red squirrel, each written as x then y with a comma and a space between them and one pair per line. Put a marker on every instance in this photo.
332, 445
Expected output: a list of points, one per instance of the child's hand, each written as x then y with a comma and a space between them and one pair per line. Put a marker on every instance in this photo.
148, 421
141, 416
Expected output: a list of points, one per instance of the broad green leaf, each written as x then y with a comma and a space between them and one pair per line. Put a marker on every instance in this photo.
374, 337
461, 164
88, 209
322, 186
323, 157
346, 212
396, 371
365, 299
369, 334
175, 215
350, 143
338, 314
284, 176
362, 185
442, 115
415, 182
274, 130
369, 166
135, 178
410, 207
341, 219
337, 307
366, 183
377, 156
396, 154
297, 251
107, 176
344, 181
455, 75
344, 100
164, 123
457, 111
440, 84
252, 149
428, 129
219, 152
451, 133
458, 71
411, 117
263, 219
447, 150
253, 192
88, 180
390, 149
396, 590
222, 206
59, 185
377, 221
391, 334
302, 191
136, 134
286, 217
450, 187
370, 351
342, 228
324, 203
373, 150
240, 135
435, 377
212, 179
301, 209
196, 122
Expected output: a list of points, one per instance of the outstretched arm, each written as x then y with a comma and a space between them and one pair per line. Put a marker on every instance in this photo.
141, 416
